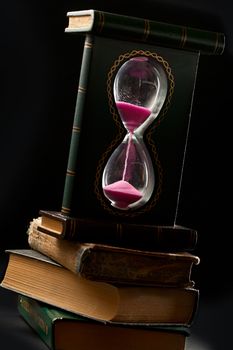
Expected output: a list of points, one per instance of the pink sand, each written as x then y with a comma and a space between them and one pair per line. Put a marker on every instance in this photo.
122, 193
132, 116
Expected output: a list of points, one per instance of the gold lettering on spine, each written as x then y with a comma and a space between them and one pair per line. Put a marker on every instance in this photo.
36, 317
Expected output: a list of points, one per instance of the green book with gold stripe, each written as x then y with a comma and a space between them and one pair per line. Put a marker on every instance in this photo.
110, 41
60, 329
146, 30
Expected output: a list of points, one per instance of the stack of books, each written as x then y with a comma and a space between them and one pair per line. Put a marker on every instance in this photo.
78, 294
95, 276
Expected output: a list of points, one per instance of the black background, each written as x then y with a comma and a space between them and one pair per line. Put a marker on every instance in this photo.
39, 73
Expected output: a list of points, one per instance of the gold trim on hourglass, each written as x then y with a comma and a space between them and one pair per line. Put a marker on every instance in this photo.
121, 132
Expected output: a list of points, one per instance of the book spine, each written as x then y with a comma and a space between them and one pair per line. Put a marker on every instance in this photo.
36, 318
64, 252
77, 124
159, 33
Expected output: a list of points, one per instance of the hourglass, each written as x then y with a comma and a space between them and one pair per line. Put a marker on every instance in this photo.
139, 90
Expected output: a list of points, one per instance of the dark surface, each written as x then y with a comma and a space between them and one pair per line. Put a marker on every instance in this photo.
14, 332
39, 77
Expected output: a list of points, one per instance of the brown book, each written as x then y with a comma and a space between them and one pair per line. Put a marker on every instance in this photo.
150, 237
114, 264
64, 330
33, 274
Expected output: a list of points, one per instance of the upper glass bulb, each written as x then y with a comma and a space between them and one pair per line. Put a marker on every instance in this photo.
140, 88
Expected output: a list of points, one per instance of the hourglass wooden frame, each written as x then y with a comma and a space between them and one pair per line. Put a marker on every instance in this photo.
147, 129
98, 129
140, 88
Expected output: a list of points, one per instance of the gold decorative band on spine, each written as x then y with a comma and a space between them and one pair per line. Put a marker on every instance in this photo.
81, 89
88, 45
65, 210
183, 37
70, 173
146, 29
100, 22
76, 129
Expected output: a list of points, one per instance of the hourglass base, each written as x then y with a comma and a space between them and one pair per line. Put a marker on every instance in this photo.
122, 194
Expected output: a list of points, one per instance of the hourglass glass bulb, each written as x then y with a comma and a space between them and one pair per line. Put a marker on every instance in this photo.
139, 89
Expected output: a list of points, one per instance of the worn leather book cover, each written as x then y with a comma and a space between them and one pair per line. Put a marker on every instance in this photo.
114, 264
